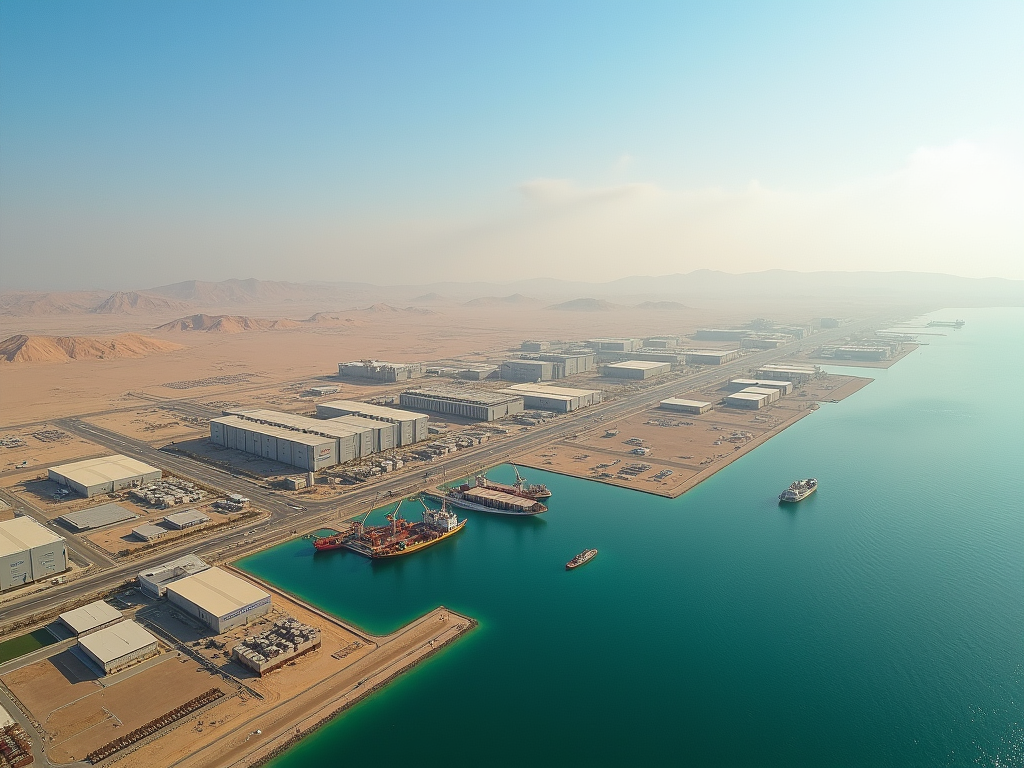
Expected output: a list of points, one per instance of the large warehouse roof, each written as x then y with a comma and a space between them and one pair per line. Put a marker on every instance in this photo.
103, 470
90, 616
459, 395
268, 429
217, 592
369, 409
186, 518
97, 517
641, 365
112, 643
292, 421
23, 533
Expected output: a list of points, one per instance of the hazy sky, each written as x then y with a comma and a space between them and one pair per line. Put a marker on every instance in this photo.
149, 142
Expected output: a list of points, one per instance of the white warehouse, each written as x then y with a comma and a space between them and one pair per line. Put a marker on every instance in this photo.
412, 426
29, 552
104, 475
219, 599
119, 645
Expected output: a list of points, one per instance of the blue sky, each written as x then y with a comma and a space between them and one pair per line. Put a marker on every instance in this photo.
210, 140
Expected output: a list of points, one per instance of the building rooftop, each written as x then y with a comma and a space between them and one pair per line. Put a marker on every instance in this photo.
103, 470
112, 643
293, 422
360, 423
744, 395
97, 517
174, 570
217, 592
90, 616
684, 401
717, 352
545, 389
369, 409
149, 531
474, 396
538, 393
270, 429
638, 364
23, 533
189, 516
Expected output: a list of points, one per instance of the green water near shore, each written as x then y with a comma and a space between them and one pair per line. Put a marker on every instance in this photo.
878, 623
19, 646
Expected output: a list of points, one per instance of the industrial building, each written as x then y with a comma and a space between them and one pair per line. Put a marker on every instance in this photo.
764, 341
384, 373
720, 334
478, 404
412, 427
268, 650
479, 372
637, 369
784, 387
535, 346
615, 345
90, 618
570, 363
682, 405
772, 392
104, 475
375, 435
798, 374
186, 519
329, 389
96, 517
219, 599
858, 352
658, 355
526, 370
29, 552
545, 397
661, 342
710, 356
118, 646
154, 581
149, 532
749, 400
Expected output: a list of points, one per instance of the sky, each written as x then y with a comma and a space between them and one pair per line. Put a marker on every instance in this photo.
146, 143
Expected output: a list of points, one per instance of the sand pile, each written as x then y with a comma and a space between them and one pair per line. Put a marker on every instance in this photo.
226, 324
60, 349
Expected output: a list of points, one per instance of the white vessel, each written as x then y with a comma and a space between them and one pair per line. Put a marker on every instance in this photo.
799, 490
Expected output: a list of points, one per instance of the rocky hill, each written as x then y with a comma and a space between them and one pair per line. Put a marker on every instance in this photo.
61, 349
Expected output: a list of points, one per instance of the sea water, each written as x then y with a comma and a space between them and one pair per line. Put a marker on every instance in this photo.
880, 622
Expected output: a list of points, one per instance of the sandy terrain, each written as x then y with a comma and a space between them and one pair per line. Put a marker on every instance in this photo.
27, 450
689, 448
35, 392
81, 711
119, 538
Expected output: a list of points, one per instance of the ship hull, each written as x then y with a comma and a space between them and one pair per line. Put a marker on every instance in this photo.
361, 549
571, 565
799, 498
473, 506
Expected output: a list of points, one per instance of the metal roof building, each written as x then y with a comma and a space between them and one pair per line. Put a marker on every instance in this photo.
637, 369
784, 387
149, 532
480, 404
96, 517
219, 599
186, 519
90, 618
526, 370
710, 356
308, 452
615, 345
29, 552
119, 645
154, 581
412, 427
376, 370
683, 405
104, 475
798, 374
744, 399
549, 398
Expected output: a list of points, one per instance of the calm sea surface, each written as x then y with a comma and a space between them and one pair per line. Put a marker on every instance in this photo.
878, 623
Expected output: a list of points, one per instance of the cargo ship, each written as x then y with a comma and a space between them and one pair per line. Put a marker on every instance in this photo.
583, 557
799, 490
399, 536
519, 488
482, 499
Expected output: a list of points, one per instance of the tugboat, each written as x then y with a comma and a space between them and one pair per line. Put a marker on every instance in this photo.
799, 490
399, 536
583, 557
519, 488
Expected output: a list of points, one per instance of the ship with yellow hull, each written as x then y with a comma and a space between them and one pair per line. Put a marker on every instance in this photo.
399, 537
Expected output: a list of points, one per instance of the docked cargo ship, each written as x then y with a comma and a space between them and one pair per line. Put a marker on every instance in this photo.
799, 490
399, 536
583, 557
482, 499
519, 488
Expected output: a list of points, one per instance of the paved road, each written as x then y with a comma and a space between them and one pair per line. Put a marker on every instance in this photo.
283, 519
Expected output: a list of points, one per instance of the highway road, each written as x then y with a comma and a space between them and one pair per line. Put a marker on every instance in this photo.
283, 519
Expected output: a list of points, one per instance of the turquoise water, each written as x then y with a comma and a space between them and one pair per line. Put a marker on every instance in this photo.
878, 623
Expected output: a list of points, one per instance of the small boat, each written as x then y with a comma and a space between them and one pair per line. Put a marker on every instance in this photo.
799, 490
583, 557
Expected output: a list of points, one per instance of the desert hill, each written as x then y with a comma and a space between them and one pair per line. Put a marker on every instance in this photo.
60, 349
133, 302
381, 308
494, 301
41, 303
585, 305
226, 324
